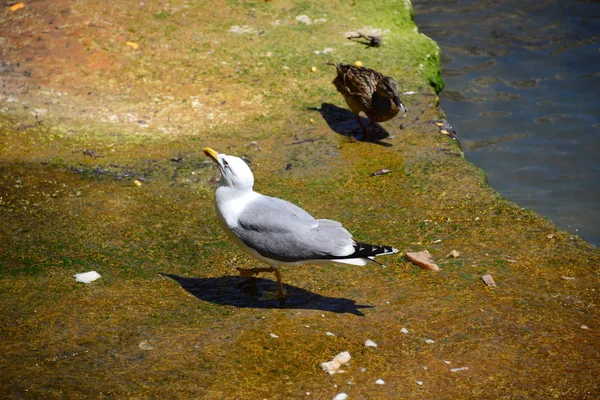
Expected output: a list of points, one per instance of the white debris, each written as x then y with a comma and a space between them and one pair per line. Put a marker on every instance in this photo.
420, 383
334, 365
305, 19
380, 382
340, 396
568, 278
459, 369
404, 330
429, 341
370, 343
363, 369
447, 362
326, 50
87, 277
274, 336
241, 29
585, 327
329, 334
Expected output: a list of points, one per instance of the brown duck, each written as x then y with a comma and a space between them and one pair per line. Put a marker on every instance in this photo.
368, 91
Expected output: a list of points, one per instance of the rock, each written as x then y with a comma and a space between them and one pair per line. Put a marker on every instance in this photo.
422, 259
380, 382
370, 343
453, 254
420, 383
333, 366
404, 330
86, 277
488, 280
144, 345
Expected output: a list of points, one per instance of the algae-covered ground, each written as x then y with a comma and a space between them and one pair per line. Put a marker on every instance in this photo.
105, 111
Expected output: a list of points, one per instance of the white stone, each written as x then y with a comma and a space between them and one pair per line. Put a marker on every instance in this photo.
370, 343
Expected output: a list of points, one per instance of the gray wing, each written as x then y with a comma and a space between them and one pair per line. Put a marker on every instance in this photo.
281, 231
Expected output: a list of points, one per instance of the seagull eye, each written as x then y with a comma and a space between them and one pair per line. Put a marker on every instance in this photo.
225, 163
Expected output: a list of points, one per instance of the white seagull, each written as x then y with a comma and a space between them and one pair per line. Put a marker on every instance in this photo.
277, 232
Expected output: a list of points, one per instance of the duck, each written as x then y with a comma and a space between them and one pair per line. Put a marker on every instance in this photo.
369, 91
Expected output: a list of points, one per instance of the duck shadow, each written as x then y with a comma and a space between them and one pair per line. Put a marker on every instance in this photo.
245, 292
344, 122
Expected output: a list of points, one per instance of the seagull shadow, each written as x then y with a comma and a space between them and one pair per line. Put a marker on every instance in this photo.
244, 292
344, 122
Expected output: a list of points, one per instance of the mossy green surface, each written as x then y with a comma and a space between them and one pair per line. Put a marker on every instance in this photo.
94, 114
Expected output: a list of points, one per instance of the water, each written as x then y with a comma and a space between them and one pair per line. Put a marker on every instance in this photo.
523, 92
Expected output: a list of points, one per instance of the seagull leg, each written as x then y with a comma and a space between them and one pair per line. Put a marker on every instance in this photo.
250, 272
279, 283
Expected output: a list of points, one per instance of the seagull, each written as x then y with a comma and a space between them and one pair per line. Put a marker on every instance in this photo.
278, 232
369, 91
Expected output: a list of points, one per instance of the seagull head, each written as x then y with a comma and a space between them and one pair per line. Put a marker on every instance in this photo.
235, 173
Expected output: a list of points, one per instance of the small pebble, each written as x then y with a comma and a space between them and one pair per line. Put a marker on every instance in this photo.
274, 336
453, 254
404, 330
380, 382
341, 396
370, 343
333, 366
363, 369
488, 280
585, 327
420, 383
423, 259
329, 334
429, 341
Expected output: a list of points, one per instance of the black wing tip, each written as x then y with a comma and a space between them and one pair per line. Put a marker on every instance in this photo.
369, 250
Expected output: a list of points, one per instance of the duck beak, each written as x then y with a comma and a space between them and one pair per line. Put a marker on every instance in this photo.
399, 104
211, 153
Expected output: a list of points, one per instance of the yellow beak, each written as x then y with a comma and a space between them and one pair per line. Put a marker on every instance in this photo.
211, 153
